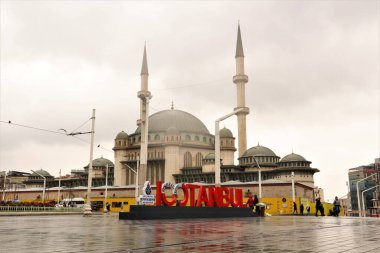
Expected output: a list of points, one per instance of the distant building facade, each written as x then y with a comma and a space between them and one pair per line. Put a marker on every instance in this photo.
355, 175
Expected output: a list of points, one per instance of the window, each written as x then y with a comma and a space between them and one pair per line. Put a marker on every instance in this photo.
198, 159
204, 139
117, 204
188, 137
188, 159
157, 137
197, 138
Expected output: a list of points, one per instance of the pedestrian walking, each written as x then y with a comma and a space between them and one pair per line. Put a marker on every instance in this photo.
301, 209
318, 206
336, 207
294, 208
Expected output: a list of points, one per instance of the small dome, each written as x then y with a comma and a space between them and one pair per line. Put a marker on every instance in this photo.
258, 151
293, 158
172, 130
210, 156
225, 133
122, 135
41, 172
101, 162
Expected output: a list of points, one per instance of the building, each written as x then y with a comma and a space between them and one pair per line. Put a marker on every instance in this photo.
180, 148
356, 175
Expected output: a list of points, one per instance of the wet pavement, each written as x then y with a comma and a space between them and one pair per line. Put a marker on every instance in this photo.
106, 233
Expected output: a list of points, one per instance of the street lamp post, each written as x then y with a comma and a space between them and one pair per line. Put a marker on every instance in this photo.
106, 191
217, 144
136, 181
43, 191
293, 189
59, 186
258, 165
5, 178
363, 200
358, 194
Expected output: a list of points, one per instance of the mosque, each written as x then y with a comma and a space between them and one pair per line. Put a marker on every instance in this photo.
180, 148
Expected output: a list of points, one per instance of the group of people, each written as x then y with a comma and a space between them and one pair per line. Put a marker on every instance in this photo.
319, 208
302, 208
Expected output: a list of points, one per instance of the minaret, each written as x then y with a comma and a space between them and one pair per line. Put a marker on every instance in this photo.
144, 96
240, 79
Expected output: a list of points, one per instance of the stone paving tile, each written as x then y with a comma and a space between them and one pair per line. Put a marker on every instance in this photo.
106, 233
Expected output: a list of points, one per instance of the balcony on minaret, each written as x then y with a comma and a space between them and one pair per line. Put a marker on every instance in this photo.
142, 94
240, 79
244, 111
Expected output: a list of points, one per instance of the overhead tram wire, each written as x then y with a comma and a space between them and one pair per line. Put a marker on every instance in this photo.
52, 131
81, 125
31, 127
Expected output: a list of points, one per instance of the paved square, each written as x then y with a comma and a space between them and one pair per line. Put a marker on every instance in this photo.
106, 233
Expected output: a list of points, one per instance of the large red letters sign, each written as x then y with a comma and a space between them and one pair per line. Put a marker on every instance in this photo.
207, 196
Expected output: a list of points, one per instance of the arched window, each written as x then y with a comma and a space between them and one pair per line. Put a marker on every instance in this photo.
157, 137
204, 139
187, 159
198, 159
197, 138
140, 138
188, 137
148, 137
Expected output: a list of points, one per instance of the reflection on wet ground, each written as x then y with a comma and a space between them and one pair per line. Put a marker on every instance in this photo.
106, 233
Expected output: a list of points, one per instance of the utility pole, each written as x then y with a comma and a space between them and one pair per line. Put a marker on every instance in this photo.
89, 183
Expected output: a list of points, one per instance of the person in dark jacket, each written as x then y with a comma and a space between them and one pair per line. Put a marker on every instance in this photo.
294, 208
301, 209
336, 207
255, 202
318, 207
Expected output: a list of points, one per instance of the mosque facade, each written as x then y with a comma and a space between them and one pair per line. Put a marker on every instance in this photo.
180, 148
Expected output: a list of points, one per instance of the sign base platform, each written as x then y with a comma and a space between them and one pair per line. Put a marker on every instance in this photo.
183, 212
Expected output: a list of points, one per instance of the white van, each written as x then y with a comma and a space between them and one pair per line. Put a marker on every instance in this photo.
73, 202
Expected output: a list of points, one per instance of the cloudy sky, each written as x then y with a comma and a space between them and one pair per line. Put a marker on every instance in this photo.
313, 70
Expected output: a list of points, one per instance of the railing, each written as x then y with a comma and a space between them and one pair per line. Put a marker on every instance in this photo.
38, 209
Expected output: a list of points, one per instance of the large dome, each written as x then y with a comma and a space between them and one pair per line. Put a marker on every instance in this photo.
182, 121
258, 151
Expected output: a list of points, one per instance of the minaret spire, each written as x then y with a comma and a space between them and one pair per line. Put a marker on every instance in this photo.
144, 67
239, 45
